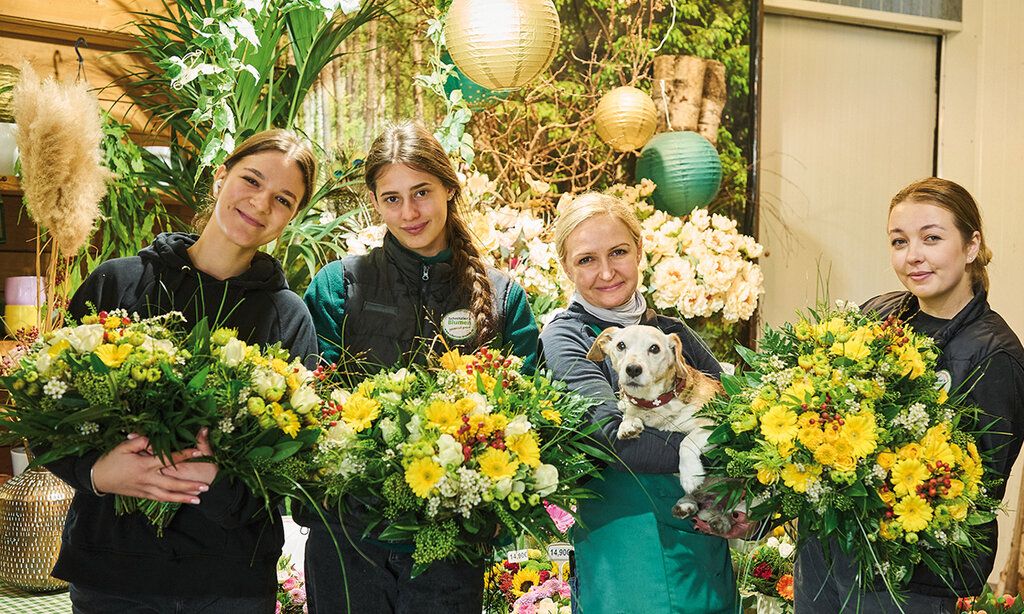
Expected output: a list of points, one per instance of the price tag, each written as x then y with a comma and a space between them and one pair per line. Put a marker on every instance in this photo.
518, 556
559, 552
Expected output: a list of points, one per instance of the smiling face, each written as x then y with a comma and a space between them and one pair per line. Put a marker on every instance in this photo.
930, 257
256, 198
414, 206
603, 261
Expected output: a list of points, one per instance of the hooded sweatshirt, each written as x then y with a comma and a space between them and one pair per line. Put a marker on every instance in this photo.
227, 544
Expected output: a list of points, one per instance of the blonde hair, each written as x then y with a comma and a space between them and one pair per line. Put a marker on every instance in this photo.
279, 140
587, 206
414, 146
966, 215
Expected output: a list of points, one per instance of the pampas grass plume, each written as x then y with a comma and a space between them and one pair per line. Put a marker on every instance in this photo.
59, 134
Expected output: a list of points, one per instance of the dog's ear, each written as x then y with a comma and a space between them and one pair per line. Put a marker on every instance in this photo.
682, 369
596, 352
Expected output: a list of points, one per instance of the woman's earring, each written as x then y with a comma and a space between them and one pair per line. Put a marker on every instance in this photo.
216, 187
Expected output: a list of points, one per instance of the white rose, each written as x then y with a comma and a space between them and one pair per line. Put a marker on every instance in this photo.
773, 542
44, 361
786, 549
518, 426
546, 606
502, 488
233, 352
339, 396
449, 451
86, 338
267, 381
341, 433
545, 479
304, 400
389, 429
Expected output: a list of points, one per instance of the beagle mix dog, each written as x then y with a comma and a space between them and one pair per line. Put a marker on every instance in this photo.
660, 390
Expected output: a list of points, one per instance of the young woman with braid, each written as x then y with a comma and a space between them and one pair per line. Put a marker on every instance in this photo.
426, 286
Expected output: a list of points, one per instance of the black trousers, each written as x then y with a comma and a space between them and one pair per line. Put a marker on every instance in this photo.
87, 600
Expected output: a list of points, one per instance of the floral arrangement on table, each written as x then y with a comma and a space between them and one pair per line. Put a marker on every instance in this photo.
506, 583
844, 424
443, 456
291, 588
87, 387
765, 570
989, 603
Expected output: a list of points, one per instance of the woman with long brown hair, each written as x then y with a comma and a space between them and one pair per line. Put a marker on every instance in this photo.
426, 286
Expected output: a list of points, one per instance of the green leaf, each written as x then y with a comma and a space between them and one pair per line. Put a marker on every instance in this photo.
199, 379
284, 450
260, 453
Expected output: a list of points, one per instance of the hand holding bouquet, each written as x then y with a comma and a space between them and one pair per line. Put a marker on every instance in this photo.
844, 424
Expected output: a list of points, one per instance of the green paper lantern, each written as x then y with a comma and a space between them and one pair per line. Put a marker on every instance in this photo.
475, 95
685, 167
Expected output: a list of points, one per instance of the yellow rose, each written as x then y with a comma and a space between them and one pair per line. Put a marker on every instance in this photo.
886, 459
956, 488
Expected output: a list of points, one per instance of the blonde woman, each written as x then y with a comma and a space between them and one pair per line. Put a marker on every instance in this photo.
630, 550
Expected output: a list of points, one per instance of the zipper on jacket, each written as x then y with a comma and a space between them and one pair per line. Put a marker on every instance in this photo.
426, 273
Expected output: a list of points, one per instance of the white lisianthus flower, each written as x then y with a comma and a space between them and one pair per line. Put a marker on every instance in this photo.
389, 430
85, 338
786, 549
340, 396
449, 451
233, 352
414, 425
518, 426
43, 362
341, 433
266, 381
304, 399
545, 479
546, 606
502, 488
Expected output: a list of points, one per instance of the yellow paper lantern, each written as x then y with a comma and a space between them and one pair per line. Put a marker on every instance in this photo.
502, 44
626, 118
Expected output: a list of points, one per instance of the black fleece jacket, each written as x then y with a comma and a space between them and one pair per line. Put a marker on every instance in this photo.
225, 545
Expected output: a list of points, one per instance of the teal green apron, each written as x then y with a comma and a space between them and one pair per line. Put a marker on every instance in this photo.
633, 556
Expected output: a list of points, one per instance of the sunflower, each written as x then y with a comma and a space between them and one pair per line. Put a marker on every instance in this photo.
497, 464
359, 412
778, 425
907, 475
421, 475
859, 432
524, 579
525, 448
913, 513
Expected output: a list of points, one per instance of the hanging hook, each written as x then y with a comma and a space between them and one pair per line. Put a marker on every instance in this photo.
81, 60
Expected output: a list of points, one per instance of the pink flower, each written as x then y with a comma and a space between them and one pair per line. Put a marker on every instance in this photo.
277, 610
298, 595
563, 520
289, 584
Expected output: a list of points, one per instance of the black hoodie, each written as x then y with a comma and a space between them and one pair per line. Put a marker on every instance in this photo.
226, 545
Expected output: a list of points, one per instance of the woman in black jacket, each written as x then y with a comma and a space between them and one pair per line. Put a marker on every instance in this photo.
939, 254
220, 551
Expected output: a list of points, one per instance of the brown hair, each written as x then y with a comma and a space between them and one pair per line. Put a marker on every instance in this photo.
958, 201
589, 205
277, 139
413, 145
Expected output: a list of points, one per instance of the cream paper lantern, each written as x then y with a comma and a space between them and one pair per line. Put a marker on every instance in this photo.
502, 44
626, 118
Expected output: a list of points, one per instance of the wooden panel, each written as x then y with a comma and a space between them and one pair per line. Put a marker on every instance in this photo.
109, 15
848, 118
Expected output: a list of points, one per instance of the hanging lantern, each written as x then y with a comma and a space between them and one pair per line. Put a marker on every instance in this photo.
502, 44
686, 169
33, 506
626, 118
475, 95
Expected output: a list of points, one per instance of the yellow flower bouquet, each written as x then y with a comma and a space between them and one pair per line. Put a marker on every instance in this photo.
843, 423
84, 388
442, 456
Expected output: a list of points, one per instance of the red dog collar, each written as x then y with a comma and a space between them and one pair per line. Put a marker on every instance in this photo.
661, 400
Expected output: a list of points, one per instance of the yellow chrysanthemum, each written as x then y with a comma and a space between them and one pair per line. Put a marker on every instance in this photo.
113, 355
958, 510
359, 412
525, 447
799, 391
496, 422
552, 416
859, 432
486, 379
767, 475
778, 425
497, 464
454, 361
288, 422
279, 366
443, 415
835, 326
935, 446
759, 404
366, 387
909, 361
524, 579
913, 513
785, 449
825, 454
800, 477
422, 475
943, 396
811, 437
972, 473
465, 406
907, 475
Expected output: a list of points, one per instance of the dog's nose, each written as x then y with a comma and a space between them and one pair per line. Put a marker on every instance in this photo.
634, 370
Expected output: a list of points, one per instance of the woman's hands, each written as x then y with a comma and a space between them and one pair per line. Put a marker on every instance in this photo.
131, 470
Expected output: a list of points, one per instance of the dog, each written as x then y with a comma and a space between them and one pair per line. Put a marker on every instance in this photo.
658, 389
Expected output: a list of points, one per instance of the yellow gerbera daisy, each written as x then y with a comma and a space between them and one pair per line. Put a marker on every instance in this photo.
552, 416
497, 464
859, 432
359, 412
913, 513
422, 475
525, 448
799, 477
443, 415
907, 475
778, 425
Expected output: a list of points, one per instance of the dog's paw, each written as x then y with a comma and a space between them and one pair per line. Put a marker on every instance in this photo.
685, 507
719, 521
691, 483
630, 429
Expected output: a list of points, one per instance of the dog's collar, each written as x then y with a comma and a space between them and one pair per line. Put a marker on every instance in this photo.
661, 400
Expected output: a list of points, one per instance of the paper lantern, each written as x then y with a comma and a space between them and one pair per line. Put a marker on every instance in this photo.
626, 118
502, 44
475, 95
686, 169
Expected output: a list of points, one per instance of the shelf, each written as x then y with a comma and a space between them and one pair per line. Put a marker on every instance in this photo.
9, 186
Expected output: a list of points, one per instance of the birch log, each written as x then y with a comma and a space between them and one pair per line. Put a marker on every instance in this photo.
677, 91
713, 101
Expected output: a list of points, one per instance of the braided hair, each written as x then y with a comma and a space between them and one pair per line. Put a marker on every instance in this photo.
413, 145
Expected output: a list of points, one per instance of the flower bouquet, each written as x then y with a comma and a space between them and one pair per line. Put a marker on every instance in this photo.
765, 572
843, 423
443, 456
505, 582
85, 388
989, 603
291, 588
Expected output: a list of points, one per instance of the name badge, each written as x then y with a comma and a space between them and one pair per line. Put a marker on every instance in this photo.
943, 380
458, 325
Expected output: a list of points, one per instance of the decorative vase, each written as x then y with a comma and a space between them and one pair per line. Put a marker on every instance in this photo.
502, 44
24, 290
686, 169
625, 118
33, 507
